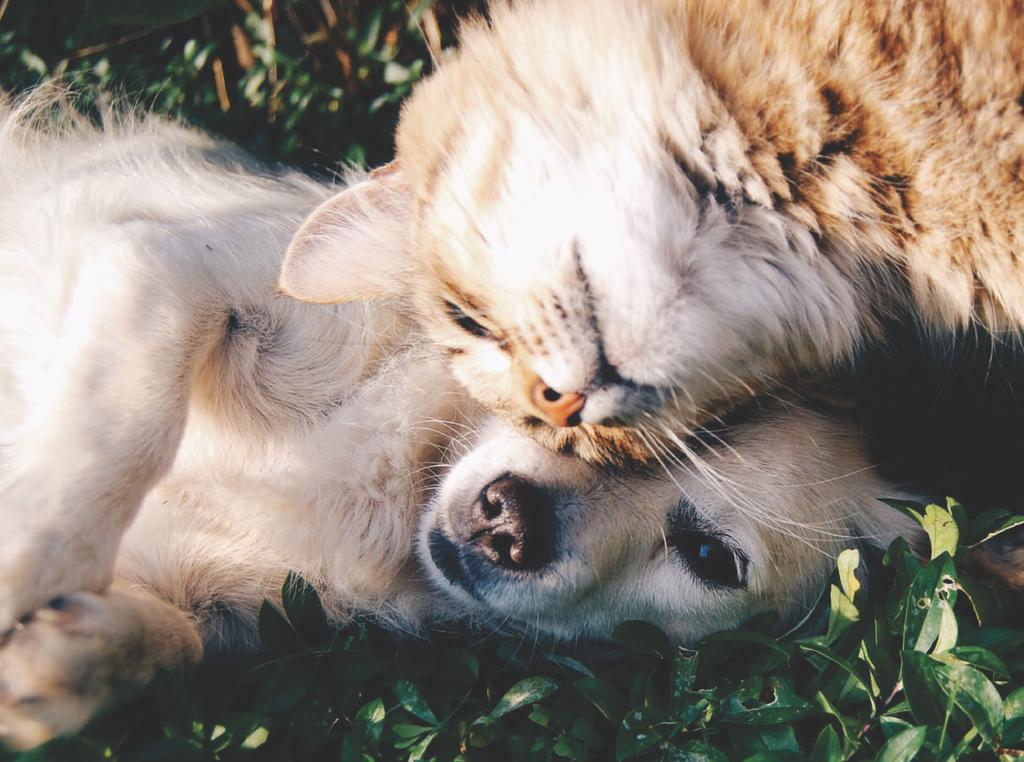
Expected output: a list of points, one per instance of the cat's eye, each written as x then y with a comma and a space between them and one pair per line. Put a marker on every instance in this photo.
710, 557
465, 322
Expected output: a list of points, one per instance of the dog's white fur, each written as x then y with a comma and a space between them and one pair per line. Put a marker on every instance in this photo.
139, 271
171, 424
789, 491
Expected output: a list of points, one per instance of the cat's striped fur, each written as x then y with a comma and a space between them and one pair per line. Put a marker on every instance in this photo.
664, 206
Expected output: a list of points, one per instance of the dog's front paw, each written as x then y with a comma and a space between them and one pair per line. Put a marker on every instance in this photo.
65, 662
58, 667
37, 564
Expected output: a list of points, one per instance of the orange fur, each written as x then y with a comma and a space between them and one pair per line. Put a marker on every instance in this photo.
889, 135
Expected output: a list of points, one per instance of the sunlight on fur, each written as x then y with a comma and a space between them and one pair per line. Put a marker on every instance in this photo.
177, 436
658, 210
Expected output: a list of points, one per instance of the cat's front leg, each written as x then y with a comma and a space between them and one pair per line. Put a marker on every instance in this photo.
67, 661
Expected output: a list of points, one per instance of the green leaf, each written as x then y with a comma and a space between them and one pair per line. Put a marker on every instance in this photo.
351, 753
907, 507
639, 731
684, 671
407, 731
928, 705
981, 595
844, 664
848, 725
769, 742
982, 658
784, 706
395, 73
417, 750
754, 638
842, 613
570, 663
461, 665
609, 701
1013, 716
891, 725
941, 529
289, 682
371, 32
974, 694
304, 610
929, 606
902, 560
413, 702
100, 13
999, 640
992, 523
163, 750
1013, 706
524, 693
934, 684
643, 637
694, 751
276, 632
367, 727
256, 738
903, 746
847, 564
827, 748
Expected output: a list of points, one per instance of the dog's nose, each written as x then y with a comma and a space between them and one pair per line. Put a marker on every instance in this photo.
558, 409
512, 524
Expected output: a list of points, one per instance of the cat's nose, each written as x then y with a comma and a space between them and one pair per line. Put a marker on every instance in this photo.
557, 408
512, 524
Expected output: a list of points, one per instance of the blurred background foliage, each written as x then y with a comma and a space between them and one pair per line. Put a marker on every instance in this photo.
309, 82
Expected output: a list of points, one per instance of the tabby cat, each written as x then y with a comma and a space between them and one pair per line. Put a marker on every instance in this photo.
630, 216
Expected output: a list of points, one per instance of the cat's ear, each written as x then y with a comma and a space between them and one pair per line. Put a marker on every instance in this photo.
353, 246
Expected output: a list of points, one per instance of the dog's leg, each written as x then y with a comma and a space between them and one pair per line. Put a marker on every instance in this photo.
82, 653
102, 424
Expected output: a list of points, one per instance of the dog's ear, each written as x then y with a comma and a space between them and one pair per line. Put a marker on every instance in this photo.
1001, 558
353, 246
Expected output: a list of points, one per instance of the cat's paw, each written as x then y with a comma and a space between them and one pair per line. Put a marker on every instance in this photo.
63, 663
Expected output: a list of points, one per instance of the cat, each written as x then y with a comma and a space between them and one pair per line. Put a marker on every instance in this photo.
176, 437
629, 217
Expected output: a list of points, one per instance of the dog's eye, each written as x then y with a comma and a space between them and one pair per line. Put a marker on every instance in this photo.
465, 322
710, 558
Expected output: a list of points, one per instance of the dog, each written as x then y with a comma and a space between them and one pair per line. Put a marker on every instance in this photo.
177, 436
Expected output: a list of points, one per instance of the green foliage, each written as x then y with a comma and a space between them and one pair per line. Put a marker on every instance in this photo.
926, 666
311, 82
907, 672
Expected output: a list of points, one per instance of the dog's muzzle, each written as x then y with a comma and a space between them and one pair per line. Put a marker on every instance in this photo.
509, 530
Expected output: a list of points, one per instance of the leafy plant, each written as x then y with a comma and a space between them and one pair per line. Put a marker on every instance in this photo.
924, 667
310, 82
926, 664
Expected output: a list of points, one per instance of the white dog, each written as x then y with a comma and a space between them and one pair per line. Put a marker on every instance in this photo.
176, 437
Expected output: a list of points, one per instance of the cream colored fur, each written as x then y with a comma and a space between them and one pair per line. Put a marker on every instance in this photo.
670, 205
788, 490
171, 424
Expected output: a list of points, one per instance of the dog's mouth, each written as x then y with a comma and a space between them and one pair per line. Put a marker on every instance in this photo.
446, 558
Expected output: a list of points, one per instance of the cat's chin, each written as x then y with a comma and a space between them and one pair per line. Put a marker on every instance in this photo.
673, 432
601, 445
